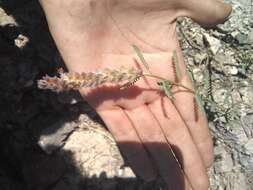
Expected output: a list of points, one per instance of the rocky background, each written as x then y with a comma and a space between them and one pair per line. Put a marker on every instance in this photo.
57, 142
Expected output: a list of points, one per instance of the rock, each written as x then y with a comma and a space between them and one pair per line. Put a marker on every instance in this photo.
221, 58
126, 172
247, 94
246, 161
250, 37
198, 58
220, 96
237, 130
92, 152
242, 39
239, 182
6, 19
247, 123
21, 41
198, 74
234, 33
224, 161
225, 57
233, 71
54, 137
249, 147
213, 43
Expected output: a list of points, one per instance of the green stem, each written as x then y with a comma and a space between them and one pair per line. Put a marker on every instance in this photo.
173, 83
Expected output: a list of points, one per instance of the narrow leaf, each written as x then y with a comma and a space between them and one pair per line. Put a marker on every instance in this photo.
199, 102
176, 62
166, 86
190, 74
140, 55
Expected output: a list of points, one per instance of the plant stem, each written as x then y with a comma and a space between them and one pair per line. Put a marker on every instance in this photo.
173, 83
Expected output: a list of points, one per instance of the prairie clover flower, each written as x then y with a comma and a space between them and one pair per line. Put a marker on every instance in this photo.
74, 81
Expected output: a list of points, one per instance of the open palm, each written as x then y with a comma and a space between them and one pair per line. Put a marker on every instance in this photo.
98, 34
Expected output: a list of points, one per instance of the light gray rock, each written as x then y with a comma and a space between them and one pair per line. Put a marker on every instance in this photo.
236, 129
233, 70
224, 161
93, 152
247, 123
6, 19
213, 43
54, 137
246, 162
21, 41
249, 147
242, 39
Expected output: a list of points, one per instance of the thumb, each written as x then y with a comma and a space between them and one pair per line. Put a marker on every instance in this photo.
207, 13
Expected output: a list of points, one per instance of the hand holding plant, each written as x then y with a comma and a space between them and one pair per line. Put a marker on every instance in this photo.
95, 38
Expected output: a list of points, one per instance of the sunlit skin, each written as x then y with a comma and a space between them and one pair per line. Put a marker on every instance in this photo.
97, 34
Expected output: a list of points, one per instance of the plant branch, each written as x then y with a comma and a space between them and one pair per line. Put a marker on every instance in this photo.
173, 83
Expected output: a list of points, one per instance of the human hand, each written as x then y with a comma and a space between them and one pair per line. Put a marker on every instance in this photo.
97, 34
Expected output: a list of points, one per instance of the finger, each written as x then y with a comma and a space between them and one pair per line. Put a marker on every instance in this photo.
179, 136
195, 120
207, 13
129, 142
155, 142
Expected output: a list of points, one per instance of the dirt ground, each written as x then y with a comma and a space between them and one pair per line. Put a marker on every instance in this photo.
57, 142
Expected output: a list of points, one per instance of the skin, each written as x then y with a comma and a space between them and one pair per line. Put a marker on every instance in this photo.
96, 34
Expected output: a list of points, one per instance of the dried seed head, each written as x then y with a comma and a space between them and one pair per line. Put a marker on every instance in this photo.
52, 83
74, 81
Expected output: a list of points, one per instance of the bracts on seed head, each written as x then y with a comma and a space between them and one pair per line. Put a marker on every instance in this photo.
66, 81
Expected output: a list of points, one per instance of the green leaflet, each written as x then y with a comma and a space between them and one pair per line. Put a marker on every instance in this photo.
166, 87
190, 74
197, 95
140, 55
176, 62
199, 101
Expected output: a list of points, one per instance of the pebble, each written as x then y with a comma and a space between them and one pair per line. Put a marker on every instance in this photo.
213, 42
21, 41
249, 147
242, 38
233, 70
225, 162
